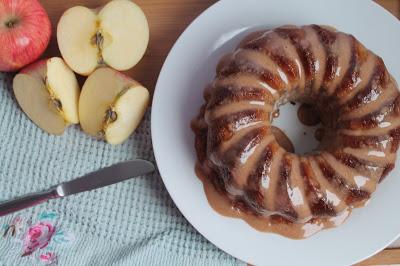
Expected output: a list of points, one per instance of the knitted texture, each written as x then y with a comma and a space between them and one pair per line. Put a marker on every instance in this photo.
130, 223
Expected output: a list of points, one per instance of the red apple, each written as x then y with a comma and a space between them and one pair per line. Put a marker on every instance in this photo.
25, 31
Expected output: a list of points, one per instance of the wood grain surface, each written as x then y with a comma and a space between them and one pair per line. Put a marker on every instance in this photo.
167, 20
385, 257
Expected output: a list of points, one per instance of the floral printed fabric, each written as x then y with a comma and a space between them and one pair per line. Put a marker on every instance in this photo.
35, 239
131, 223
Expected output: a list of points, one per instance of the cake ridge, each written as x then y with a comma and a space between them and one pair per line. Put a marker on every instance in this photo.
359, 104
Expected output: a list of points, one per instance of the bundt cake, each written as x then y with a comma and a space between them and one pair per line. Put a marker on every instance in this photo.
358, 104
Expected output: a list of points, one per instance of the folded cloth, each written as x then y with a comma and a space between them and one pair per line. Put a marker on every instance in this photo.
130, 223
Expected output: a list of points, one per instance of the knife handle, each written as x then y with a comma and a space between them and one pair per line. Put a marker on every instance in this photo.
27, 201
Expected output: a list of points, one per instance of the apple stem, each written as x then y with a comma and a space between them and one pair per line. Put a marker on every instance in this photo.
11, 23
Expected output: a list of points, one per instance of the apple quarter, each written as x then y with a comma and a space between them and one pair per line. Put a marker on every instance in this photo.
111, 105
48, 92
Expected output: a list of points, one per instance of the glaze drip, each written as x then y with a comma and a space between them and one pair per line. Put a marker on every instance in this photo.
249, 168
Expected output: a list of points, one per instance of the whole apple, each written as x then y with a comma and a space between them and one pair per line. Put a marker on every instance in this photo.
25, 31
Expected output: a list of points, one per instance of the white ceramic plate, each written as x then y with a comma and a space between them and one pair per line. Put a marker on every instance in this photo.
178, 96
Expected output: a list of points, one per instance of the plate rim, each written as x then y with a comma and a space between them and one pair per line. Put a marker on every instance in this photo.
167, 185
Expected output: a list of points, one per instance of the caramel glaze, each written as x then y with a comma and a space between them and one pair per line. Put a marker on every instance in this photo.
274, 223
275, 114
358, 104
282, 139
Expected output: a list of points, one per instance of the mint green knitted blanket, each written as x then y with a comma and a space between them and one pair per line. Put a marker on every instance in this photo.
130, 223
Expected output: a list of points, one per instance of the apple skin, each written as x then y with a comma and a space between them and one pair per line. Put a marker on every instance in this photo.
25, 31
34, 67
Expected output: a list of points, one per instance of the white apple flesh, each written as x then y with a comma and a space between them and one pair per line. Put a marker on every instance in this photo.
48, 93
112, 105
116, 35
130, 108
24, 33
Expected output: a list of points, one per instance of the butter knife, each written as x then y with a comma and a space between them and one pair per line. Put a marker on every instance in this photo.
104, 177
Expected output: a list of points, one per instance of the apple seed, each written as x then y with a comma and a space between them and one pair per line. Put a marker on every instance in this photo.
53, 99
57, 103
98, 41
111, 115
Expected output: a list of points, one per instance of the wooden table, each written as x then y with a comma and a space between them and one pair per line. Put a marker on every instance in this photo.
168, 19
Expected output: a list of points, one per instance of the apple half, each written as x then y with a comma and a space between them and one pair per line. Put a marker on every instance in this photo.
48, 93
116, 35
111, 105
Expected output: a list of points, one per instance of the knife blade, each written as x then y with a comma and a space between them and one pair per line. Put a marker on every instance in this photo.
104, 177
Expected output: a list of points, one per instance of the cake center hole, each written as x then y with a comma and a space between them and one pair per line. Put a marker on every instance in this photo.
299, 129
